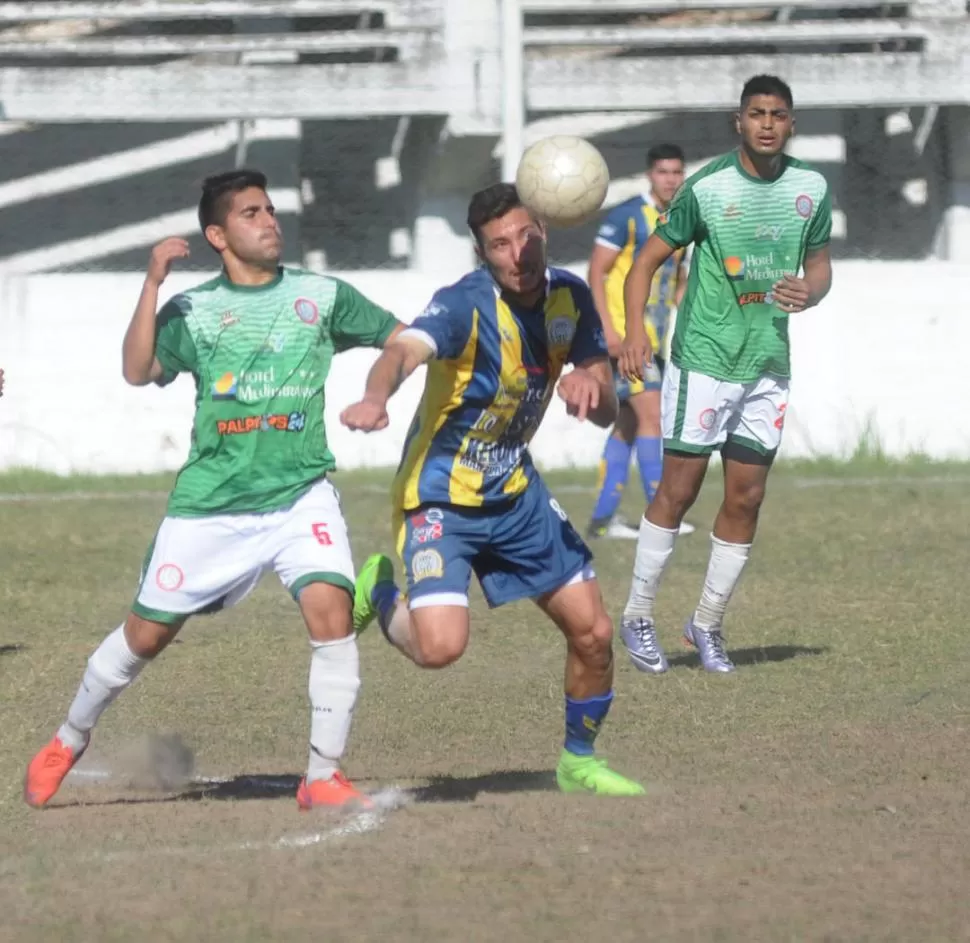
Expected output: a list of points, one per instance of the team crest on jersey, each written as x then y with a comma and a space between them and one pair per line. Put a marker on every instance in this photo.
306, 310
804, 206
427, 564
560, 331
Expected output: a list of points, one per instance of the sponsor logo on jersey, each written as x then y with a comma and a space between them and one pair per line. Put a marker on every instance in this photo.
243, 425
225, 387
768, 233
804, 205
732, 211
755, 298
734, 268
274, 344
306, 310
227, 320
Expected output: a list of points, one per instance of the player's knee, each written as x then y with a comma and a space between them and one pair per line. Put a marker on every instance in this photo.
745, 501
438, 653
147, 638
594, 644
676, 494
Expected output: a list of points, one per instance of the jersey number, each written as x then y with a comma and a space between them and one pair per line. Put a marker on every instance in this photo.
323, 537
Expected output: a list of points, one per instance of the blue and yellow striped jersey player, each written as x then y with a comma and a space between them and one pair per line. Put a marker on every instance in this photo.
467, 496
623, 233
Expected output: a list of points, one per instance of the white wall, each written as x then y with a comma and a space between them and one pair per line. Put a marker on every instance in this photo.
885, 352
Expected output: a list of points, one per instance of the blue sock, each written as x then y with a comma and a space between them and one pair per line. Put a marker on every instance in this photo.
384, 596
583, 721
614, 470
650, 458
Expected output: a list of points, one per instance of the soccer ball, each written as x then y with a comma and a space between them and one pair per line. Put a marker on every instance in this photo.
563, 180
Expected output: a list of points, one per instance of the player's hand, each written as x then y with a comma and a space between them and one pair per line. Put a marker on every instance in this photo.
581, 392
636, 353
162, 257
791, 294
614, 343
365, 416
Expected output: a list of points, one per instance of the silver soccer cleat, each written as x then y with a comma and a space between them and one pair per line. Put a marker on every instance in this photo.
710, 646
640, 638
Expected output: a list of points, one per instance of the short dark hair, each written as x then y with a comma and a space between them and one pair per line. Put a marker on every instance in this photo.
664, 152
491, 203
218, 191
766, 85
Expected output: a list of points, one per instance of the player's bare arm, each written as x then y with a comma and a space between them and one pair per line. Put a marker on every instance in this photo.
682, 274
637, 350
399, 359
139, 364
589, 393
601, 261
793, 294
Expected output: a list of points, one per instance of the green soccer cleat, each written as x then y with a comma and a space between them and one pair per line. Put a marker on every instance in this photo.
589, 774
378, 569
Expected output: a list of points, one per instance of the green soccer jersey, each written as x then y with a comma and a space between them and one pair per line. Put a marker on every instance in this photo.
747, 233
260, 356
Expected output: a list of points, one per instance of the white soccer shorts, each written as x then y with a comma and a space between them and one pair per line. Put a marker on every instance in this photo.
700, 413
205, 564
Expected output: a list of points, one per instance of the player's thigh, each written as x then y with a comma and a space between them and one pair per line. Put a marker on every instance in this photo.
439, 632
697, 410
757, 426
310, 544
197, 566
646, 408
533, 549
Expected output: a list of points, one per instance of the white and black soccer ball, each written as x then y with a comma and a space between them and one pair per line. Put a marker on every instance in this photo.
563, 180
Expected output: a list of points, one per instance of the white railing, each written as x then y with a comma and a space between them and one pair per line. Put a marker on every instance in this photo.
799, 33
937, 7
134, 10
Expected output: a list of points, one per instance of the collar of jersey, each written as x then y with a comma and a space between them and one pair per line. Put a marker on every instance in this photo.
751, 177
232, 286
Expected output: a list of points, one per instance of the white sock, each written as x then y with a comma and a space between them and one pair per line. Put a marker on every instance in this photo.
110, 670
334, 683
723, 572
654, 547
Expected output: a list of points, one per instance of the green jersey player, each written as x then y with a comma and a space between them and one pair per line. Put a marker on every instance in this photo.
253, 494
757, 218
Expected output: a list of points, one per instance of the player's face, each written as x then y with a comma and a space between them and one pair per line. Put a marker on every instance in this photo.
514, 248
765, 125
251, 231
665, 178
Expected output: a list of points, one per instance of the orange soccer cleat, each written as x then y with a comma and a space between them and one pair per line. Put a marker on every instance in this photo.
46, 772
333, 792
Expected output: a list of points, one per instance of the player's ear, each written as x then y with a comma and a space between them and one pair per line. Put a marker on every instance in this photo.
216, 237
737, 122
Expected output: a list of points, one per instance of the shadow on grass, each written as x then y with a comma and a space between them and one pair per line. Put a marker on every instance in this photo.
284, 786
744, 657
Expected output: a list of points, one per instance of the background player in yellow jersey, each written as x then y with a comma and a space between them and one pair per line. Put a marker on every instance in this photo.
467, 496
623, 233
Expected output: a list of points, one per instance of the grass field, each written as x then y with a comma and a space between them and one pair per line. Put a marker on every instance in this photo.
819, 793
